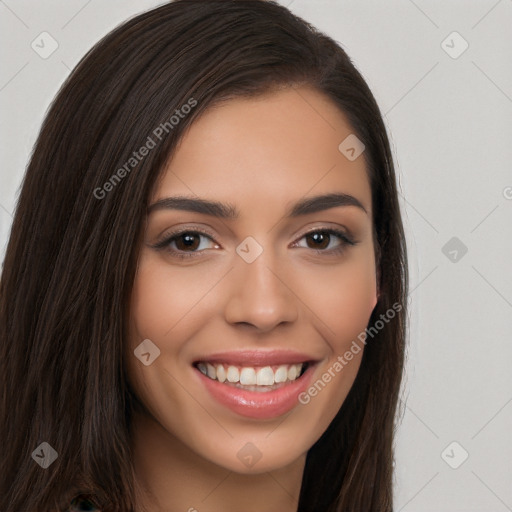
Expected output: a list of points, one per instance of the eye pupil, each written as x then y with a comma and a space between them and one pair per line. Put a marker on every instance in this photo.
320, 237
188, 240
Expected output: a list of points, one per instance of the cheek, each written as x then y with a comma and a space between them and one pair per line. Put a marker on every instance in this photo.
168, 307
148, 306
342, 299
153, 312
355, 301
161, 310
162, 297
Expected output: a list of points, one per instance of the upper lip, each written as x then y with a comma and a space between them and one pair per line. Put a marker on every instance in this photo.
258, 357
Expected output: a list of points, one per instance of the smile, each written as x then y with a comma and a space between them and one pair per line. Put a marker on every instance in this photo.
256, 384
254, 378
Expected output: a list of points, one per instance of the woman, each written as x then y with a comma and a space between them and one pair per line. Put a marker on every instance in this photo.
203, 298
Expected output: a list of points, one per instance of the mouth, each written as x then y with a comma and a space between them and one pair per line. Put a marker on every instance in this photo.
256, 384
256, 378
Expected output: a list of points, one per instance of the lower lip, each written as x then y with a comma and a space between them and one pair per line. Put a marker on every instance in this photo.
258, 404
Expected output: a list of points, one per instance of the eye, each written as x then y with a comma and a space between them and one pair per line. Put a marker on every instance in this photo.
186, 243
321, 240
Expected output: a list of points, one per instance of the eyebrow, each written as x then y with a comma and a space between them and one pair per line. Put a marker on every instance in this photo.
228, 211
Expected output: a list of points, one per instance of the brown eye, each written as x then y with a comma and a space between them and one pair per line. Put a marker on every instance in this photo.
187, 241
319, 239
324, 241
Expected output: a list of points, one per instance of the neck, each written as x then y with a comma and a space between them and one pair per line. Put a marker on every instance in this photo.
171, 476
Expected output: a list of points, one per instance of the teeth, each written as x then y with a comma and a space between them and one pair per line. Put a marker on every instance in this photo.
211, 372
281, 374
292, 372
265, 376
250, 376
233, 374
221, 373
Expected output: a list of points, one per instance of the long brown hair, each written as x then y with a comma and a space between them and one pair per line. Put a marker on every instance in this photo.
71, 258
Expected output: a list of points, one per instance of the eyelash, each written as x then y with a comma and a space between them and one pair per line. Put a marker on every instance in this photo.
163, 244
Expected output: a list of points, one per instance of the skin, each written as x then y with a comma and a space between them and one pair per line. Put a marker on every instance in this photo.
261, 155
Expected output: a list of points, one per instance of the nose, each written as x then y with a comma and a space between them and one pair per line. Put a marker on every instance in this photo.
260, 295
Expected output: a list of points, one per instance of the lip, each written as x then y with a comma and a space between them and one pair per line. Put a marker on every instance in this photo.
258, 357
259, 404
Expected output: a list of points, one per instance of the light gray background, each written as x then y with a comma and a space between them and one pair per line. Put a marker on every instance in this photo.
450, 124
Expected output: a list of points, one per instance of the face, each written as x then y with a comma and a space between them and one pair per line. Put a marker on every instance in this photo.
269, 285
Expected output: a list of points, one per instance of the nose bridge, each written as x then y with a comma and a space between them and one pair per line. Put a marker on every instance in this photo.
259, 294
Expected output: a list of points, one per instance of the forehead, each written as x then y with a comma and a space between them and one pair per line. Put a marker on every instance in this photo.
273, 148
